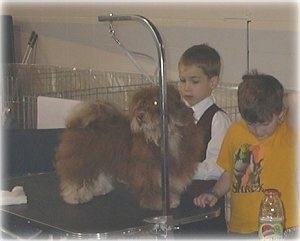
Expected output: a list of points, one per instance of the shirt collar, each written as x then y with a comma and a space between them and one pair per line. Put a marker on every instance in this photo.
201, 107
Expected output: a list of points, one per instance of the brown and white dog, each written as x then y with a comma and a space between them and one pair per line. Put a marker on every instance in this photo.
101, 146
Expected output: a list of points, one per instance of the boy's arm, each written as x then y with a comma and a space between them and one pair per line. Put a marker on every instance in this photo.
220, 189
208, 169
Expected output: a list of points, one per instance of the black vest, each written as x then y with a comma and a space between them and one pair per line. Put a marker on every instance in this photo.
199, 186
205, 124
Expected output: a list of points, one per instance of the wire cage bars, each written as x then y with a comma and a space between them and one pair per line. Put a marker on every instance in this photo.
24, 83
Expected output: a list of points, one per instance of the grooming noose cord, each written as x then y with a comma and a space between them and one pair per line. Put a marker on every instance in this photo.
130, 54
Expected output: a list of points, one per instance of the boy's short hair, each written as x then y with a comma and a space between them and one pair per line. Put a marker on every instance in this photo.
260, 96
205, 57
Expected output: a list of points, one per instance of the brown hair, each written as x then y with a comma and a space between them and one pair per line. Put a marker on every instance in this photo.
260, 96
205, 57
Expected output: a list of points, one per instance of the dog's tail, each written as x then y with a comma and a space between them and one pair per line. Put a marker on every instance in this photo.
97, 140
93, 114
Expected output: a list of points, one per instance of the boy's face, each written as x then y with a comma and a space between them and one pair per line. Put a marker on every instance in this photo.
266, 129
194, 85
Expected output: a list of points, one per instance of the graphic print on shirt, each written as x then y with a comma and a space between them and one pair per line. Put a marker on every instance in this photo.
248, 161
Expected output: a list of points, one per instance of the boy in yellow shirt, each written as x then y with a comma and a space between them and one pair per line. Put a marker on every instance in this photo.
258, 152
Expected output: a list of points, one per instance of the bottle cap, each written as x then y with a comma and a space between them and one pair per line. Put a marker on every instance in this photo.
271, 191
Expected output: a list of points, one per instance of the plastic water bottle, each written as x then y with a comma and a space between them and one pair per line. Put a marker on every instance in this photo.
271, 216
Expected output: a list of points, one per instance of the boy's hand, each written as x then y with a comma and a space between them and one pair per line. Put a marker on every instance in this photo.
205, 199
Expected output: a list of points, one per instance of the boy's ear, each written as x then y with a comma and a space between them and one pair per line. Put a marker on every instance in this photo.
282, 114
214, 81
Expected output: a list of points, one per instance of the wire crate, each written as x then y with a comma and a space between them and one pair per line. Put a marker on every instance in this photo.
24, 83
225, 96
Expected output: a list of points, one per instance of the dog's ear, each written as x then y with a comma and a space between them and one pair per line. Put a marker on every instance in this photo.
135, 99
173, 93
179, 113
144, 98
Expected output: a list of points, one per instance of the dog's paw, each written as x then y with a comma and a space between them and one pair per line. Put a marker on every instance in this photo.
102, 185
154, 203
175, 199
73, 194
174, 202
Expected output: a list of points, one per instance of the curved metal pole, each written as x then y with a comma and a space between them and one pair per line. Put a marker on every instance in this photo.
248, 43
163, 101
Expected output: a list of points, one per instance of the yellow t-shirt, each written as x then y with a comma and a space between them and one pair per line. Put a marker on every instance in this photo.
257, 165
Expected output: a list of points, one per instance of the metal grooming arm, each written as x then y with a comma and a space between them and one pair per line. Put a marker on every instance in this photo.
163, 94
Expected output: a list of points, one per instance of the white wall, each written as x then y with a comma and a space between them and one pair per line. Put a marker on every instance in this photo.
70, 35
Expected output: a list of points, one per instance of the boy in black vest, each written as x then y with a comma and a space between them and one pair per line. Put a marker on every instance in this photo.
199, 70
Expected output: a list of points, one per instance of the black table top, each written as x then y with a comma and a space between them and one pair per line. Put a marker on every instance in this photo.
113, 212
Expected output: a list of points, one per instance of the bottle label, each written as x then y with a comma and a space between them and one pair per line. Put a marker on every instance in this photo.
269, 230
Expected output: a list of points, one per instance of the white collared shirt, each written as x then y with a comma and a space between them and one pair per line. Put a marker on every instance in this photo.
208, 169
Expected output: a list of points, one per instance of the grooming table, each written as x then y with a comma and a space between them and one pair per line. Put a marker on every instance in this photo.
112, 215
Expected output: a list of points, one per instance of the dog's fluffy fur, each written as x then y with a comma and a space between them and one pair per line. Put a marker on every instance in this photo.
101, 146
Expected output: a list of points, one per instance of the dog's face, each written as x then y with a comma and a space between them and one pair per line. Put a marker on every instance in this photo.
146, 115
